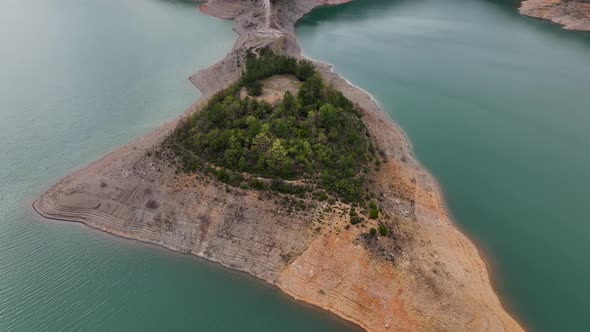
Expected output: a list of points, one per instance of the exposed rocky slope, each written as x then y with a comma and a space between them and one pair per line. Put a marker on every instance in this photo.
428, 276
572, 14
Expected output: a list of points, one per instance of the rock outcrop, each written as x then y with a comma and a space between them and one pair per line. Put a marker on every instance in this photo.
572, 14
428, 276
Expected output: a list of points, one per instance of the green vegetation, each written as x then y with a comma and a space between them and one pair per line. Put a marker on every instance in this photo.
354, 217
373, 231
382, 230
320, 195
254, 88
314, 141
373, 210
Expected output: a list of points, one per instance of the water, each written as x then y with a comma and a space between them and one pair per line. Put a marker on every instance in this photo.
77, 79
495, 104
497, 107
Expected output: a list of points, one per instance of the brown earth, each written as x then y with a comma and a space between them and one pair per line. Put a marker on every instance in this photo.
572, 14
426, 277
273, 88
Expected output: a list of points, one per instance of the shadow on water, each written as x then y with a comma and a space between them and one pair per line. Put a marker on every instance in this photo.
366, 10
354, 11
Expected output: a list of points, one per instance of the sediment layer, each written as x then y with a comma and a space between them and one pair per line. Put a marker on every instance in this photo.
428, 277
572, 14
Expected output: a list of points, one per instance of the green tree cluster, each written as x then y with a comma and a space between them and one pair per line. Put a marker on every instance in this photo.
317, 135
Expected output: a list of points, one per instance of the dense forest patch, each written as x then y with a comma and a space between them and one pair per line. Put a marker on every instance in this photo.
313, 141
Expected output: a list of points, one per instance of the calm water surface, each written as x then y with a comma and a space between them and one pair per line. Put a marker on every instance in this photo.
77, 79
497, 106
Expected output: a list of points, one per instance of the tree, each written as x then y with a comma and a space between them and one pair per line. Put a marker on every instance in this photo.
329, 116
281, 128
254, 126
278, 154
305, 69
261, 142
254, 88
216, 114
288, 101
310, 92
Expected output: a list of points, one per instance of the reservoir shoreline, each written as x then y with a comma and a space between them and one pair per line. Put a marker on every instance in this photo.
74, 199
570, 14
484, 254
199, 260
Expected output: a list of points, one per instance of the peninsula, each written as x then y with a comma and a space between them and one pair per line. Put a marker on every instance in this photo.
572, 14
286, 171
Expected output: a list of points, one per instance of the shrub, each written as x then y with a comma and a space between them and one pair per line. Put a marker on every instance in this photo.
373, 210
286, 188
235, 179
222, 175
373, 231
256, 184
320, 195
356, 220
151, 204
382, 230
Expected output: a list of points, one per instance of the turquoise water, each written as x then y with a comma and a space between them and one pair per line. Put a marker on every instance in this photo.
497, 106
77, 79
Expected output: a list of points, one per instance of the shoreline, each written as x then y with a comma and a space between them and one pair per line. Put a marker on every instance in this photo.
175, 251
440, 192
431, 205
570, 14
200, 260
